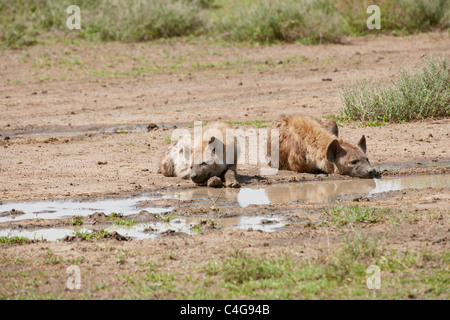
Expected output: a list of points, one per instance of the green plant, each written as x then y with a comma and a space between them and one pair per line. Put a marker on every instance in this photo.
196, 228
358, 251
88, 236
167, 217
51, 258
168, 140
343, 215
114, 215
13, 240
424, 93
78, 260
241, 267
128, 223
77, 221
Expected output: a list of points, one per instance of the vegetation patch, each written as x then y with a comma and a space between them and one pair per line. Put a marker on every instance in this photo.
262, 21
6, 240
343, 215
97, 235
420, 94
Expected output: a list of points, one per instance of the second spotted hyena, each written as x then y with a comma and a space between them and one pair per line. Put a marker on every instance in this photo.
213, 170
312, 145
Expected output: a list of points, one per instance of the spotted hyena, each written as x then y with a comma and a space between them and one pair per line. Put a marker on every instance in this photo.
213, 170
312, 145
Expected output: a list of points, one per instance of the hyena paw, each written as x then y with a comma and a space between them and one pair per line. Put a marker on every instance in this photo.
215, 182
233, 184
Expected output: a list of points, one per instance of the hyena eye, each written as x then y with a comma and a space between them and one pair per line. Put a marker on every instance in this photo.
203, 164
354, 162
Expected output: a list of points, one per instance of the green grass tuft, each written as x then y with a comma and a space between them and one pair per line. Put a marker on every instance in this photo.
13, 240
423, 93
241, 268
344, 215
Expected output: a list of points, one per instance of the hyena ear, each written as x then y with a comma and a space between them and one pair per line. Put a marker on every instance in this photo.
211, 140
362, 143
334, 151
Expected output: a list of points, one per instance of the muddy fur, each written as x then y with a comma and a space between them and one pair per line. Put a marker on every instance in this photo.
212, 169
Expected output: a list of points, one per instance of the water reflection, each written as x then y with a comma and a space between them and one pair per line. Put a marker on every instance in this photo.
314, 191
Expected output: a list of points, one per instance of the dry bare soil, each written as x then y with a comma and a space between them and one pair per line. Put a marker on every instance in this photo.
62, 105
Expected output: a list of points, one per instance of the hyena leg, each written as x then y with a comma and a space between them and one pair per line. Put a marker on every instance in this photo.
215, 182
230, 179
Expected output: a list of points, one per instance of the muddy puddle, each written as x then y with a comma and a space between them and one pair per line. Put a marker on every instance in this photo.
59, 209
313, 191
165, 202
153, 230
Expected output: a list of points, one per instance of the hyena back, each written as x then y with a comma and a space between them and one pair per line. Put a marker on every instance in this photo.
311, 145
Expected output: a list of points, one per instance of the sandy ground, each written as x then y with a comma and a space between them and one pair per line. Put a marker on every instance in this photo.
58, 102
56, 165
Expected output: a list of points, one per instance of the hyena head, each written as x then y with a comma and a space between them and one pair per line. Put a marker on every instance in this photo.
350, 159
212, 163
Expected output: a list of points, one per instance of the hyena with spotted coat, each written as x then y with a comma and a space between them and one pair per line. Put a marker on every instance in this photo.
213, 170
312, 145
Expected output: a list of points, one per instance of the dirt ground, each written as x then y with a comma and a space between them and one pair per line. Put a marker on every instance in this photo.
62, 105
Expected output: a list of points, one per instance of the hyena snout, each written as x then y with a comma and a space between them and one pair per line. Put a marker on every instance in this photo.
365, 172
200, 173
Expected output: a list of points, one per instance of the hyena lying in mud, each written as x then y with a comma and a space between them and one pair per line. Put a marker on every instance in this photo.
213, 170
312, 145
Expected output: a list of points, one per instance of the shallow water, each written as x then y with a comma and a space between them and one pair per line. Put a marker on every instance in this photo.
58, 209
138, 231
314, 191
49, 234
310, 191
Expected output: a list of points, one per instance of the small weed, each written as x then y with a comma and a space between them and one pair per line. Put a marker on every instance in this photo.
196, 228
77, 221
51, 258
168, 140
241, 267
344, 215
168, 217
78, 260
114, 215
45, 78
88, 236
13, 240
128, 223
359, 251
